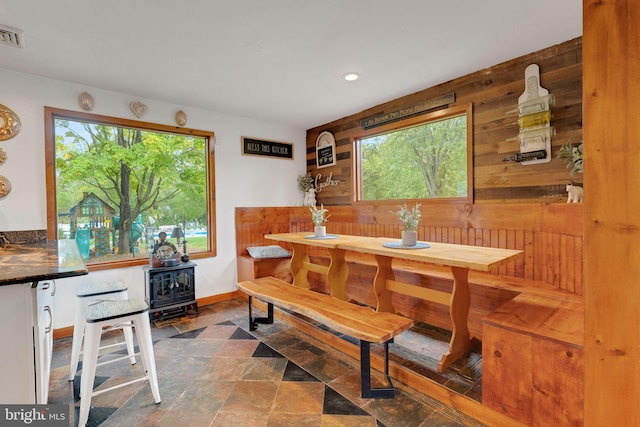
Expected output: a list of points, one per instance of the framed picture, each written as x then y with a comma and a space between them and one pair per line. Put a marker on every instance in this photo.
325, 150
263, 147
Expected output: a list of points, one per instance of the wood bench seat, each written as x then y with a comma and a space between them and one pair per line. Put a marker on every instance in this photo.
344, 317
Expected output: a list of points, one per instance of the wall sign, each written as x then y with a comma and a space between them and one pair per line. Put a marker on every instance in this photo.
430, 104
325, 150
328, 182
262, 147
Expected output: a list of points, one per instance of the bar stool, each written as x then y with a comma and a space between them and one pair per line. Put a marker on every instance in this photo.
129, 313
92, 293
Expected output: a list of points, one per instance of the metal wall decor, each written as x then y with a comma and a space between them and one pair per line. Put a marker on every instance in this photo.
3, 156
181, 118
9, 123
534, 121
138, 108
5, 186
86, 101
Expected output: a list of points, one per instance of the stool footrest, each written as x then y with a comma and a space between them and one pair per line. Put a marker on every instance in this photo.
106, 362
104, 390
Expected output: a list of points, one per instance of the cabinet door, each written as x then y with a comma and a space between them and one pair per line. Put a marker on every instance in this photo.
17, 315
506, 372
161, 292
185, 289
558, 385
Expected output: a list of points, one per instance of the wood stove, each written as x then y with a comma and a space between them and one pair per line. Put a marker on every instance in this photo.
170, 291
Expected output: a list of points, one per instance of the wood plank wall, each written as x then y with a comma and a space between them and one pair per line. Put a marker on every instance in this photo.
549, 234
493, 92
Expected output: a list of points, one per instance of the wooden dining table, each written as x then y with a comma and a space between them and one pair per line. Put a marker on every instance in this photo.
337, 272
459, 258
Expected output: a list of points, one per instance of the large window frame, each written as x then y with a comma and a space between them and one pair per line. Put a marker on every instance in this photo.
52, 114
464, 109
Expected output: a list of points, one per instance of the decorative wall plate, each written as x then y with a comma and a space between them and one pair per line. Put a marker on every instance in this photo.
3, 156
5, 186
138, 108
86, 101
181, 118
9, 123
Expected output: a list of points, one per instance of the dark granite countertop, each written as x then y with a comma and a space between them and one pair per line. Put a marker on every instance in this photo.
30, 263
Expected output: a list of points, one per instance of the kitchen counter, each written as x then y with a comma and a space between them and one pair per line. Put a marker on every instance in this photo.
27, 289
30, 263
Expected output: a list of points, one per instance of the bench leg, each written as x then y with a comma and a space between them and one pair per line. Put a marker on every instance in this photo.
266, 320
365, 372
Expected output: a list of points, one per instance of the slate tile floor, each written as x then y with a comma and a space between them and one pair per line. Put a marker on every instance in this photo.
213, 372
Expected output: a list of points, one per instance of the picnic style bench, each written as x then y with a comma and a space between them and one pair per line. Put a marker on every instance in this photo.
360, 322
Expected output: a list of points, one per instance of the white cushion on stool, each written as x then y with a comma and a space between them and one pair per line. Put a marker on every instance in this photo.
94, 289
108, 310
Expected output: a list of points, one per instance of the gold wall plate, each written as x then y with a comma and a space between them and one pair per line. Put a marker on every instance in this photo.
5, 186
9, 123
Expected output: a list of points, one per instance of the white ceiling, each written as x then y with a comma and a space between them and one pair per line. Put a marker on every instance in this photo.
277, 60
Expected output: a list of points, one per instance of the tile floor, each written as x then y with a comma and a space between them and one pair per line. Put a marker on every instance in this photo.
213, 372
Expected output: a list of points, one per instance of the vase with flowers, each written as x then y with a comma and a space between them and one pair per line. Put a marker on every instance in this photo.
307, 186
319, 217
410, 219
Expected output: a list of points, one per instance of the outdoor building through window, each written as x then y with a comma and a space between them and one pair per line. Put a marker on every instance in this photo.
423, 157
118, 186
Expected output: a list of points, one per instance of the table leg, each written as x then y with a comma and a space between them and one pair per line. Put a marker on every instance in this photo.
338, 274
384, 273
298, 268
459, 309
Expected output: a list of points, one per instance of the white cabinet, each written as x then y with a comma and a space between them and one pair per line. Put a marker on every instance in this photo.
26, 316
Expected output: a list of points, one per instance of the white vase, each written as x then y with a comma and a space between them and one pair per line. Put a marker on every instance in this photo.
320, 231
409, 238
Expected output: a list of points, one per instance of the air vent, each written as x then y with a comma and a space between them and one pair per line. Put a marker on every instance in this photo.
11, 36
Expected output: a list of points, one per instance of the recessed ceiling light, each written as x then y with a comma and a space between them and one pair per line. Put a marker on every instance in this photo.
350, 77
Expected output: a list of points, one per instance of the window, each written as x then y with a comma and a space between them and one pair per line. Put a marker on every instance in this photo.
423, 157
114, 185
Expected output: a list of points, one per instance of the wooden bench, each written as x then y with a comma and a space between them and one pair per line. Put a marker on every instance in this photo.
251, 226
495, 281
533, 360
357, 321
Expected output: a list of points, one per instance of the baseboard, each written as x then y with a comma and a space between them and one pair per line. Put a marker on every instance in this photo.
67, 331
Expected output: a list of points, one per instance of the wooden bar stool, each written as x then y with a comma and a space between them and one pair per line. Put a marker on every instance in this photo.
106, 314
92, 293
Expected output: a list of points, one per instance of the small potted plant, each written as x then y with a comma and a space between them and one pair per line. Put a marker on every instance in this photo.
410, 219
572, 156
319, 218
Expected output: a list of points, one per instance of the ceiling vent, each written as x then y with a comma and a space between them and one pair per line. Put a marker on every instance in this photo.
11, 36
